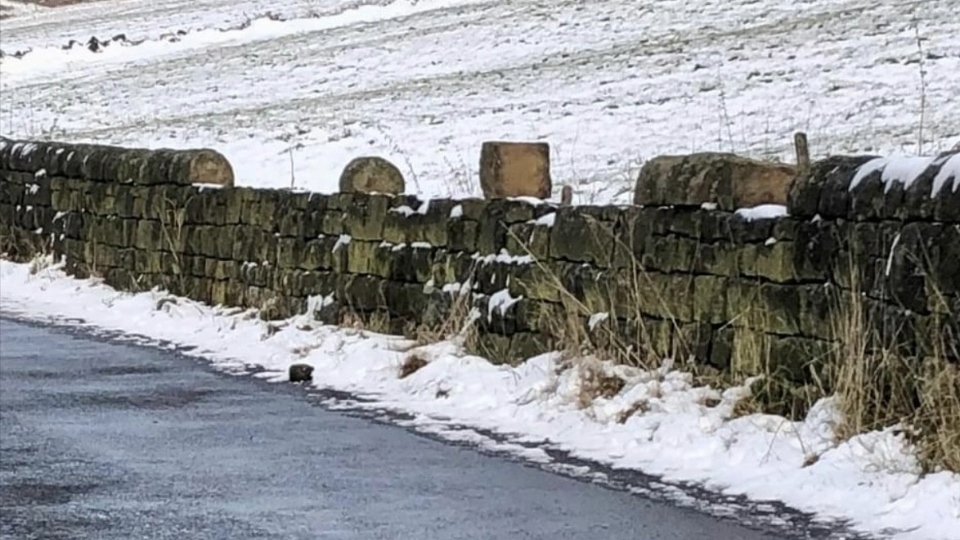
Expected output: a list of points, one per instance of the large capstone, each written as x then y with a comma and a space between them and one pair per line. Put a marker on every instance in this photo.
371, 174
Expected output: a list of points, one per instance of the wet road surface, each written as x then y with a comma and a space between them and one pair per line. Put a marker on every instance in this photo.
115, 441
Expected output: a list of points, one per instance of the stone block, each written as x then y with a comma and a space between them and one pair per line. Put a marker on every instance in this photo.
452, 267
798, 359
473, 209
462, 235
200, 166
149, 235
727, 180
828, 181
766, 307
292, 224
371, 174
289, 251
669, 253
515, 169
665, 296
361, 293
710, 300
363, 220
774, 262
721, 349
529, 239
946, 189
578, 237
546, 281
691, 342
411, 264
720, 259
944, 276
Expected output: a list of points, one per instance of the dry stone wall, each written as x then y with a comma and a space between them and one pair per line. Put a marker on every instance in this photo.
670, 279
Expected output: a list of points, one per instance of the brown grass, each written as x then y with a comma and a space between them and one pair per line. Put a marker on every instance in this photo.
456, 324
638, 407
413, 363
595, 383
878, 385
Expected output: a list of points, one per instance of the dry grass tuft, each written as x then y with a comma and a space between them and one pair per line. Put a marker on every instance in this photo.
457, 322
639, 407
413, 363
595, 383
880, 384
378, 322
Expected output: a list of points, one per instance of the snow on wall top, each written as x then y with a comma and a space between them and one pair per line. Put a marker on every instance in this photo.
906, 170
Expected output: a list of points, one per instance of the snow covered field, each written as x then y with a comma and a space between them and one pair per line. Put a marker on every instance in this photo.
608, 83
870, 480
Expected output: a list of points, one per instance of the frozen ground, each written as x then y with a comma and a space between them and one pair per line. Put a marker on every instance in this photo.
677, 433
608, 83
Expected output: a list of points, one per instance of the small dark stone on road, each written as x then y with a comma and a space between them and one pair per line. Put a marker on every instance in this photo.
301, 373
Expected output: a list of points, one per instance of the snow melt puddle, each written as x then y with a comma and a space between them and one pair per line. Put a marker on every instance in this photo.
677, 434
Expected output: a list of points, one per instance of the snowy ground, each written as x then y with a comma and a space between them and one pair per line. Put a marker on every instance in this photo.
870, 480
608, 83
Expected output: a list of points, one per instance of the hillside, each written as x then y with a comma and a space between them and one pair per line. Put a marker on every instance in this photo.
308, 85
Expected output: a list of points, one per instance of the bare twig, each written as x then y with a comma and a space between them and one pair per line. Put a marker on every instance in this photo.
923, 87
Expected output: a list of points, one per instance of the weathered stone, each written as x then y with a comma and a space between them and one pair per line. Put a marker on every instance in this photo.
529, 239
291, 224
578, 237
653, 336
828, 181
473, 209
818, 307
462, 235
944, 279
710, 300
362, 293
371, 174
720, 259
364, 219
455, 267
727, 180
774, 262
423, 222
492, 230
149, 235
515, 169
669, 253
289, 251
665, 296
201, 166
691, 342
721, 349
412, 264
301, 373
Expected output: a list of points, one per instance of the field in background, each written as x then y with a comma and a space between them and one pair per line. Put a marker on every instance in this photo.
609, 83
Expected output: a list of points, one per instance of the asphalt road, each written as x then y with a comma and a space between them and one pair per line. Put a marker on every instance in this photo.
113, 441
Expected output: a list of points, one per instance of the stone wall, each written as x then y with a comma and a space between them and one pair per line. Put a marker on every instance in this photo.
675, 278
